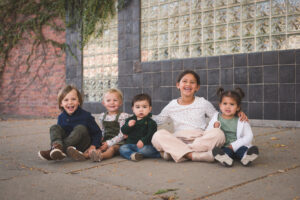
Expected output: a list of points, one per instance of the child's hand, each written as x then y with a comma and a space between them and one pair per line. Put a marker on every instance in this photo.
217, 125
125, 136
140, 144
243, 117
131, 123
104, 146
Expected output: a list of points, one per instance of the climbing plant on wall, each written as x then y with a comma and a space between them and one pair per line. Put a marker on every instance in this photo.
25, 19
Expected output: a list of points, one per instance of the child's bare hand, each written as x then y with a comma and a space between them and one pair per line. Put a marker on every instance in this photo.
104, 146
89, 150
125, 136
243, 117
140, 144
216, 124
131, 123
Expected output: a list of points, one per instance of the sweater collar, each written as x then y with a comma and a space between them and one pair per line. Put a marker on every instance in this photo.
74, 113
145, 118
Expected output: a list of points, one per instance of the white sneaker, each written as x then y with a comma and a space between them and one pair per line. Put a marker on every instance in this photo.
250, 155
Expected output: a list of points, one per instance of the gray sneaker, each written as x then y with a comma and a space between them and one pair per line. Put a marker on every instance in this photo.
75, 154
222, 157
136, 157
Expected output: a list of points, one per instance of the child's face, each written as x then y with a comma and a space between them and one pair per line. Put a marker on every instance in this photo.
188, 85
70, 102
228, 107
141, 109
112, 102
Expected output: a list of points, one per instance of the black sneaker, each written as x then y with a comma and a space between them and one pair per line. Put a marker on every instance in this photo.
222, 157
136, 157
250, 155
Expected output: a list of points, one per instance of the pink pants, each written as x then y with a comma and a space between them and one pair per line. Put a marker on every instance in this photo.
199, 142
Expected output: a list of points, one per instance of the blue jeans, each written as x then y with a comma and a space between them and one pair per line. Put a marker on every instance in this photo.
235, 155
148, 151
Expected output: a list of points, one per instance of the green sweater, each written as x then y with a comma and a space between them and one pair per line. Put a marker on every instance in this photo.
142, 130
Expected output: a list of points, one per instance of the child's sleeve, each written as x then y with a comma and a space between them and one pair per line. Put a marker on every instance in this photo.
101, 121
210, 109
95, 132
152, 128
163, 116
245, 139
125, 128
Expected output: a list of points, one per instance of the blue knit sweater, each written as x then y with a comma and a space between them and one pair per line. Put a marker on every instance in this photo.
81, 117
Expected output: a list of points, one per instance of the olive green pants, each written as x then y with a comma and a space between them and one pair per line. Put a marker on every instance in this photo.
78, 138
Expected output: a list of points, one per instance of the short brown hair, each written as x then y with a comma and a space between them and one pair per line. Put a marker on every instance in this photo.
64, 91
141, 97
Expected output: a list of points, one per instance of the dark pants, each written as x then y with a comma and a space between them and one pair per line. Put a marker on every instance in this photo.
235, 155
78, 138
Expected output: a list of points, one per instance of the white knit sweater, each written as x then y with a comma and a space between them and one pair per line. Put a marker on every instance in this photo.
187, 117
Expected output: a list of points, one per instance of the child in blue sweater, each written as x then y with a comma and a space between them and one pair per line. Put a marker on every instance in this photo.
76, 130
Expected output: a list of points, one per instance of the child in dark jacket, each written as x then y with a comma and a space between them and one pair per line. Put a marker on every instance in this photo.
76, 130
140, 129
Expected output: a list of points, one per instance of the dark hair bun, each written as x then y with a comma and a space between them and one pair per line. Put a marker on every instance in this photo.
240, 92
220, 91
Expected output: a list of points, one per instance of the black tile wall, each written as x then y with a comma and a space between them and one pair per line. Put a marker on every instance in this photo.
240, 75
297, 111
255, 110
166, 79
270, 74
287, 93
255, 75
255, 59
270, 58
226, 61
255, 93
270, 80
298, 73
203, 76
213, 77
287, 74
287, 57
201, 63
287, 111
271, 111
240, 60
271, 93
226, 76
213, 62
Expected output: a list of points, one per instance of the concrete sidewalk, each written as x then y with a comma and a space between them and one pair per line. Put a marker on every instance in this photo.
23, 175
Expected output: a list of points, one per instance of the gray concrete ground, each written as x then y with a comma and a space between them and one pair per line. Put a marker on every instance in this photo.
274, 175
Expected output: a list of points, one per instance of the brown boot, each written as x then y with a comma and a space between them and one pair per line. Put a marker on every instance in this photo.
45, 155
57, 152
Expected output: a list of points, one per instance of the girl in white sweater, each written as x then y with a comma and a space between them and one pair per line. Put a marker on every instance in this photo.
238, 134
189, 141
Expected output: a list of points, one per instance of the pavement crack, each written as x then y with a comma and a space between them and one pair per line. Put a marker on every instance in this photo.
93, 167
249, 181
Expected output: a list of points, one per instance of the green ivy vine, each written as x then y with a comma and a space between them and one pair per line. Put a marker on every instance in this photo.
23, 19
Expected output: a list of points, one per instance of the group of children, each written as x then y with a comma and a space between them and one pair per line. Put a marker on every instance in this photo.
134, 137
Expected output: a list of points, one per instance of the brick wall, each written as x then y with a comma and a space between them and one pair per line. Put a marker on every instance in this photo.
32, 91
